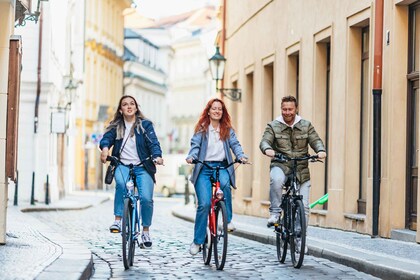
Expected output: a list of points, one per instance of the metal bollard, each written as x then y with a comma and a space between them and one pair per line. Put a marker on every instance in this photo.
33, 189
15, 200
47, 192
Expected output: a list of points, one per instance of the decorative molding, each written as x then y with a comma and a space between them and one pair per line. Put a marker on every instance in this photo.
104, 51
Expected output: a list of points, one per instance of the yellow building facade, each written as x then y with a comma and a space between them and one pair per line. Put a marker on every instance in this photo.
322, 53
103, 84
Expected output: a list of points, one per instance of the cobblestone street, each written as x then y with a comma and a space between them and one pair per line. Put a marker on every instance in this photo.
169, 257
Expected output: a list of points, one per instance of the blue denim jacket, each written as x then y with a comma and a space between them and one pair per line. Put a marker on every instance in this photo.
199, 143
148, 146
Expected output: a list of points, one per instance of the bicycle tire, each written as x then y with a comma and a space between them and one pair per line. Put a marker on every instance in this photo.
127, 233
220, 241
281, 239
132, 236
298, 238
207, 247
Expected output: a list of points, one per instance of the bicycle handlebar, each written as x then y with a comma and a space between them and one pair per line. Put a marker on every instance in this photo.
195, 161
115, 161
283, 158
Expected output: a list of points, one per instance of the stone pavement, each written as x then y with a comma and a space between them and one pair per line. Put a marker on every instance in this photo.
383, 258
34, 250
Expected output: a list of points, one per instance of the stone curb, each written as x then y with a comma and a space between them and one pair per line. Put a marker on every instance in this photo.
60, 208
380, 266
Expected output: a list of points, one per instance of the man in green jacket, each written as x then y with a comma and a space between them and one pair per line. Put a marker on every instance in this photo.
289, 135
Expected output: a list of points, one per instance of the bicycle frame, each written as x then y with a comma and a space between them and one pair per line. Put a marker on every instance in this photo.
214, 200
286, 229
134, 198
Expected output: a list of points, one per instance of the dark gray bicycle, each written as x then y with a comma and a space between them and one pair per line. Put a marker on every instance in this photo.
290, 228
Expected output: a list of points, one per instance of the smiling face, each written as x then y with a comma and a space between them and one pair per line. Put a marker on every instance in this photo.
216, 111
288, 111
128, 107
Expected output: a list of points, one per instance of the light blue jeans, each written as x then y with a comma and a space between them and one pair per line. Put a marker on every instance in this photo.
277, 181
203, 191
145, 188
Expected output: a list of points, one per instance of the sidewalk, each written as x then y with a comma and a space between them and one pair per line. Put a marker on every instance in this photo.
383, 258
34, 250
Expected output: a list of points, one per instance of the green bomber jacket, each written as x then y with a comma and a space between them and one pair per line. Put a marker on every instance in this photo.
292, 142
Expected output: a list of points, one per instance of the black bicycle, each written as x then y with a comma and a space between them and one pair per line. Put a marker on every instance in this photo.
291, 225
130, 228
217, 233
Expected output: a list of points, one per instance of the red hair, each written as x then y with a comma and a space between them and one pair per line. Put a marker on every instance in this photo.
204, 120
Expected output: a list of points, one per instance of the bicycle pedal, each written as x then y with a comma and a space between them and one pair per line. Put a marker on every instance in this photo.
114, 231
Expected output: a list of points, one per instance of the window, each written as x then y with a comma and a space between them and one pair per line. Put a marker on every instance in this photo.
413, 118
364, 132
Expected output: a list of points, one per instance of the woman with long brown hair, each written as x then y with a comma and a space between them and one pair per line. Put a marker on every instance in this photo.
212, 142
134, 141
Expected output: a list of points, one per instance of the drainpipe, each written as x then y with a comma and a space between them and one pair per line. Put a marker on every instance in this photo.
38, 85
377, 94
223, 37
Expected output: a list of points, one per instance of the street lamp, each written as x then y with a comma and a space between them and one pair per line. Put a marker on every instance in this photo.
217, 68
30, 16
70, 92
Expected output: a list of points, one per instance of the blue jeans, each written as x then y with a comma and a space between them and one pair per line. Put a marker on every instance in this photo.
145, 188
203, 191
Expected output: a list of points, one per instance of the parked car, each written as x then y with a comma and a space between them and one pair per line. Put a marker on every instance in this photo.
171, 178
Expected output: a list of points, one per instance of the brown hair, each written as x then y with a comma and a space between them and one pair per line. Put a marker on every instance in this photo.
118, 118
204, 120
289, 98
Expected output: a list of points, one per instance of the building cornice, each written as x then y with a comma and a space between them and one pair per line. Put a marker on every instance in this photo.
104, 51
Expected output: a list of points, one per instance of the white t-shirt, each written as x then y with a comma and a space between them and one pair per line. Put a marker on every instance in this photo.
129, 151
215, 149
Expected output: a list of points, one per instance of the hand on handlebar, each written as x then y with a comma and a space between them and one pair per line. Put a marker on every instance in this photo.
322, 155
104, 154
244, 160
280, 157
158, 161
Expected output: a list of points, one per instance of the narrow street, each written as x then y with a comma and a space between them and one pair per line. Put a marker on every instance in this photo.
170, 259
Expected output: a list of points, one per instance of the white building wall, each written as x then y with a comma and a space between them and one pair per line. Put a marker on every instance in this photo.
38, 151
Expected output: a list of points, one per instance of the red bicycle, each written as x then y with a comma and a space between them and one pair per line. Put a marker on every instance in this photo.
217, 234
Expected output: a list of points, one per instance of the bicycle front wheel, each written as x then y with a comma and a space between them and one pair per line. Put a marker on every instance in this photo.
221, 239
207, 246
281, 239
298, 238
127, 235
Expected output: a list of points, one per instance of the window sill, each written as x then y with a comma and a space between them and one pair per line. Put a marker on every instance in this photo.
356, 217
319, 212
265, 202
247, 199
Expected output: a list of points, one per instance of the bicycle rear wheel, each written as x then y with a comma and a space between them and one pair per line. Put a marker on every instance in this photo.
221, 239
281, 239
298, 238
127, 235
207, 246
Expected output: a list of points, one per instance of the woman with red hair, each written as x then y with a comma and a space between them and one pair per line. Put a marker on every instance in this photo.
212, 142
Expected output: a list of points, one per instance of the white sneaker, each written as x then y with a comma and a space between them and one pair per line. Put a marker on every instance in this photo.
146, 240
115, 227
194, 249
273, 219
231, 227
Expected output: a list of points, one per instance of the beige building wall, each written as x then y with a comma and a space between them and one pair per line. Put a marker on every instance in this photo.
104, 36
7, 18
272, 44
